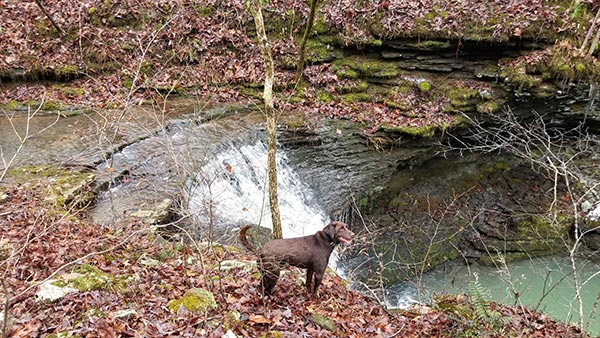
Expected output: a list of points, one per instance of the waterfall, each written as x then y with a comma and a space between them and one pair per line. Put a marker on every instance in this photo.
235, 184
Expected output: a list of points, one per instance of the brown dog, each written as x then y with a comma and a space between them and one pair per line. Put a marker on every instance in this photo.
308, 252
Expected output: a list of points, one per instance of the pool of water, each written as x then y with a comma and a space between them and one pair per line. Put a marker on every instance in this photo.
545, 284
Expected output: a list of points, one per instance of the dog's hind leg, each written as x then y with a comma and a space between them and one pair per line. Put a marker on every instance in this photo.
309, 279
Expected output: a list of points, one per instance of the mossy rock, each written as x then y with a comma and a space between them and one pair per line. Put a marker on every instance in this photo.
353, 87
323, 322
430, 45
87, 277
529, 236
488, 107
70, 92
424, 86
319, 52
194, 300
237, 264
355, 66
414, 131
357, 97
65, 187
518, 78
11, 105
487, 71
449, 305
325, 96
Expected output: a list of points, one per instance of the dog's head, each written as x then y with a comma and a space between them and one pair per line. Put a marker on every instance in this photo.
338, 232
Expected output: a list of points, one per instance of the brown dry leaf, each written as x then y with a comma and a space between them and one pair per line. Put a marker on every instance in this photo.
259, 319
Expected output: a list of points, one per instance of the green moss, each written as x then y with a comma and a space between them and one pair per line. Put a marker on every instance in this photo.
11, 105
231, 319
87, 277
357, 97
319, 25
397, 105
353, 87
462, 98
318, 52
424, 86
518, 77
431, 44
458, 93
488, 107
376, 43
67, 71
448, 304
194, 300
414, 131
324, 96
366, 67
47, 105
71, 92
345, 72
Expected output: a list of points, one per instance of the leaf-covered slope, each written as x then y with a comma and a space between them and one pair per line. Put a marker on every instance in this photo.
129, 277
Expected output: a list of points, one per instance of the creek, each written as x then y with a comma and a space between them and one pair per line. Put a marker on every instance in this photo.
212, 161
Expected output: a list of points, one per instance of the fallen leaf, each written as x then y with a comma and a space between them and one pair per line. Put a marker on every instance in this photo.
259, 319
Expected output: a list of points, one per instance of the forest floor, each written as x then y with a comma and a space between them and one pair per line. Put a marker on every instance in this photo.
125, 281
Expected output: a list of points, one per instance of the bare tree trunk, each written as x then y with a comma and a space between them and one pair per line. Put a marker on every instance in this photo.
589, 33
60, 31
256, 10
309, 25
594, 43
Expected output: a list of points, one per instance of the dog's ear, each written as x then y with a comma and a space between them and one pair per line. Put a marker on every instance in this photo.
330, 230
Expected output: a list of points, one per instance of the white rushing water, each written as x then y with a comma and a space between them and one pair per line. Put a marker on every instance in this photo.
236, 184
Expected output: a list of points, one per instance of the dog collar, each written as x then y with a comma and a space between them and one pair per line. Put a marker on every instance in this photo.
332, 242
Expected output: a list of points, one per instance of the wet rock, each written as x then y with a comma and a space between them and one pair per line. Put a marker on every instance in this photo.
591, 231
67, 186
159, 213
433, 210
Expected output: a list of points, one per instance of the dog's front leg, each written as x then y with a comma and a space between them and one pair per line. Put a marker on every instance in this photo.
318, 279
268, 280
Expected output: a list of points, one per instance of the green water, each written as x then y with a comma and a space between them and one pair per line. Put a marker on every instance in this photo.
543, 283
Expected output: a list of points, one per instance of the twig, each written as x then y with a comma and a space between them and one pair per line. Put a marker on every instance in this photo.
60, 30
6, 303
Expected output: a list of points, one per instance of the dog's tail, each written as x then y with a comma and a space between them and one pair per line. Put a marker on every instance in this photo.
244, 240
